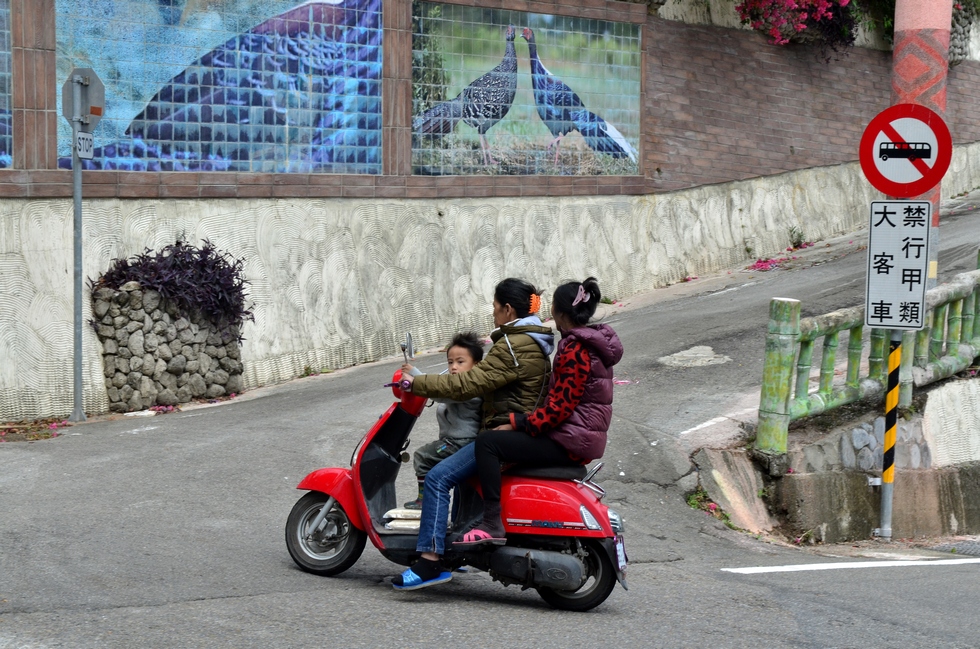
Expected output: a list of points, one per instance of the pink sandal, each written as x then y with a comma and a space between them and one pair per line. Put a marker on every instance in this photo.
476, 537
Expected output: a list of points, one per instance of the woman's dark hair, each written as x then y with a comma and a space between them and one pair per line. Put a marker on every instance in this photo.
580, 313
517, 293
469, 341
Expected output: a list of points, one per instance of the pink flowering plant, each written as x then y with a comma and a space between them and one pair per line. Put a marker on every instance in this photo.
786, 20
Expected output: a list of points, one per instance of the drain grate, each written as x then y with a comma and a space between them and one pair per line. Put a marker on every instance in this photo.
968, 548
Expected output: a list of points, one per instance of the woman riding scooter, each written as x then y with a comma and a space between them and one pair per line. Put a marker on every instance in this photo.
511, 379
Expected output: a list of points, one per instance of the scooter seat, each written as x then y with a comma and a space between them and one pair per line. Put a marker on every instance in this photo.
553, 472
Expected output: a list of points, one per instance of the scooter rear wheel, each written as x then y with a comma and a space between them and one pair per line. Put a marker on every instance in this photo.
329, 550
600, 583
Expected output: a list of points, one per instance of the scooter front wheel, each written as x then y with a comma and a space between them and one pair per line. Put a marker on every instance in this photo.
601, 579
331, 548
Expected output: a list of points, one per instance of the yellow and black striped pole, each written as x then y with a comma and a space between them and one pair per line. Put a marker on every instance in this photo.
891, 422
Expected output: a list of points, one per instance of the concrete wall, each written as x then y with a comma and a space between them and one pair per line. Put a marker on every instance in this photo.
338, 282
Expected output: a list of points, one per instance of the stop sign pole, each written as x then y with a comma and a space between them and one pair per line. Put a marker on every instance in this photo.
82, 104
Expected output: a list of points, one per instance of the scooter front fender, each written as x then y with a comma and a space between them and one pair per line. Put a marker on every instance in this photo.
338, 483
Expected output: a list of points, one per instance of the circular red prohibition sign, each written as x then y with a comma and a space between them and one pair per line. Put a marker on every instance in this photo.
893, 162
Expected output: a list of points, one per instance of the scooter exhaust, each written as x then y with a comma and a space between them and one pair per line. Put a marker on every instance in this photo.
537, 568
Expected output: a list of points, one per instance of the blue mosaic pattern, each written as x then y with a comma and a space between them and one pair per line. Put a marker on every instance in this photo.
298, 92
6, 132
576, 109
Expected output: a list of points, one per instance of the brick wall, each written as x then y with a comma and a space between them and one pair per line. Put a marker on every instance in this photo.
719, 105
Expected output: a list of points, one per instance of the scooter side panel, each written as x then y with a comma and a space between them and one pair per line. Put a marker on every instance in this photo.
532, 506
338, 483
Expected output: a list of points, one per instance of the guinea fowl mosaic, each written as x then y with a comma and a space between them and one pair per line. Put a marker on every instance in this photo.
563, 112
481, 104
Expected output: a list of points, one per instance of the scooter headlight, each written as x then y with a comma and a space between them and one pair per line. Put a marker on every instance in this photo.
616, 522
589, 520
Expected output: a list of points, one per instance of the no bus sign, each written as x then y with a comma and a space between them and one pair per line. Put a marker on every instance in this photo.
906, 150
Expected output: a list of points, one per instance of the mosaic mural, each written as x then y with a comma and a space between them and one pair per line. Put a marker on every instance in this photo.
6, 133
229, 85
506, 92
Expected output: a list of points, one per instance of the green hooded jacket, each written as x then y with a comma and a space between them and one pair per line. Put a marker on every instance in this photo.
512, 377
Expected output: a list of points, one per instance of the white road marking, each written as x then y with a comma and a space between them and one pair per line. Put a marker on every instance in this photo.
717, 420
710, 422
853, 564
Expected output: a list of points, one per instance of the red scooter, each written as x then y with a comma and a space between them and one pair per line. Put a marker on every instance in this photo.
561, 540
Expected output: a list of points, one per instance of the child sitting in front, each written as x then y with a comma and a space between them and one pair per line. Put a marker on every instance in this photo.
459, 421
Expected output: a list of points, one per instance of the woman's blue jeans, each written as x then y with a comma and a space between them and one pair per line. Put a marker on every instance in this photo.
439, 482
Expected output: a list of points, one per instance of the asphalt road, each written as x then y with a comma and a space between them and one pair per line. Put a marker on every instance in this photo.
168, 531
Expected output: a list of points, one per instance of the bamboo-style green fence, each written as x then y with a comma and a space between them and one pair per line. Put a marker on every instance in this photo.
948, 344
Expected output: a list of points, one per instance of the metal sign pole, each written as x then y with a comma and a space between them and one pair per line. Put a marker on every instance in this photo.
891, 420
78, 413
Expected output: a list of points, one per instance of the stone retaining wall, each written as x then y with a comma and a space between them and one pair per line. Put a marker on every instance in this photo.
154, 355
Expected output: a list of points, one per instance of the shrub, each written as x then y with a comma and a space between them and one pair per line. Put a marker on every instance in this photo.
196, 280
785, 20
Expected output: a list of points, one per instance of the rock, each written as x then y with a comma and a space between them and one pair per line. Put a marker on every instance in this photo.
234, 351
183, 379
190, 351
130, 286
110, 346
133, 380
108, 365
147, 324
148, 392
215, 390
112, 393
221, 377
157, 315
122, 365
170, 308
125, 353
106, 320
151, 300
134, 326
135, 402
865, 459
121, 298
151, 341
119, 379
860, 438
120, 321
106, 332
230, 365
171, 333
197, 386
177, 364
164, 353
118, 406
181, 324
235, 384
175, 347
169, 381
847, 457
136, 300
159, 369
137, 314
160, 329
205, 362
185, 336
125, 392
915, 457
184, 394
166, 397
136, 343
104, 294
135, 363
879, 430
194, 366
101, 308
114, 310
201, 337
